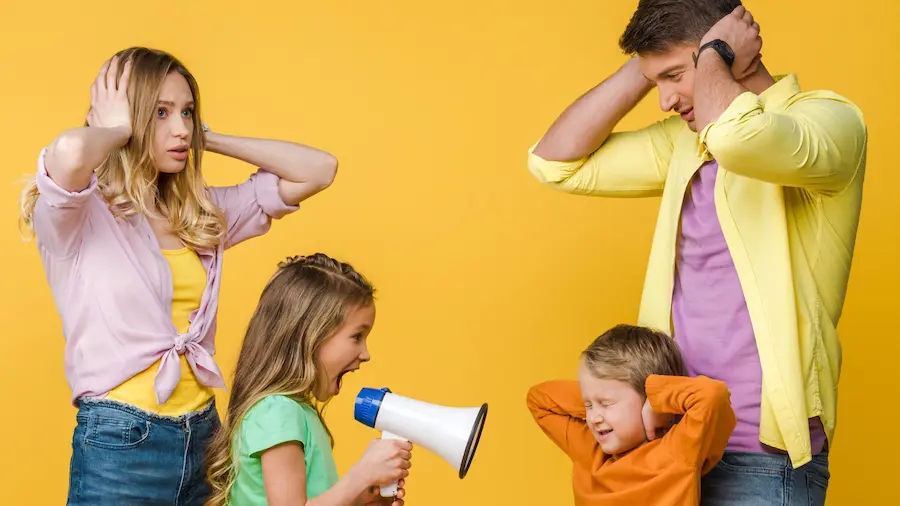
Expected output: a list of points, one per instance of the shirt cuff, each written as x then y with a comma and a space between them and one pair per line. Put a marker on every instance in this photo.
744, 104
266, 188
551, 171
56, 195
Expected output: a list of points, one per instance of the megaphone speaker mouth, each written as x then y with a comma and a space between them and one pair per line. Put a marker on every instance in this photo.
474, 438
451, 432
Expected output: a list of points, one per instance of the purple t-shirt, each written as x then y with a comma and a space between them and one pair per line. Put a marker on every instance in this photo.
712, 324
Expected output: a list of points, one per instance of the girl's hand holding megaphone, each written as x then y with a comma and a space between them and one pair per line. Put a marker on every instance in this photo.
372, 496
384, 462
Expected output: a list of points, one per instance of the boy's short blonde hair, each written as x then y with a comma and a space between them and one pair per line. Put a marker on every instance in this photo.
630, 353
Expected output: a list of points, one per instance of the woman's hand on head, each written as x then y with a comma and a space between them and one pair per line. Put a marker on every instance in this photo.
110, 106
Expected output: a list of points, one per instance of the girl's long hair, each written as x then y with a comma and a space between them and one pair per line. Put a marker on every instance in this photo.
128, 178
305, 303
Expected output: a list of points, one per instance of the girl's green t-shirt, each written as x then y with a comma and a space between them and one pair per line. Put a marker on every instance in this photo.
274, 420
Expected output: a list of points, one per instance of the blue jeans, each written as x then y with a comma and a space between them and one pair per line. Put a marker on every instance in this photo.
123, 455
760, 479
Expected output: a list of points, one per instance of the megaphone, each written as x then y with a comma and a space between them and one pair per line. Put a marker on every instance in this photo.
452, 433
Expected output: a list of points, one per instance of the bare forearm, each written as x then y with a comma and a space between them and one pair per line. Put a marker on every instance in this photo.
74, 155
586, 124
343, 493
714, 88
287, 160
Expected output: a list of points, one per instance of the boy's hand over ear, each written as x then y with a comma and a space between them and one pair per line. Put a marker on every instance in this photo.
655, 424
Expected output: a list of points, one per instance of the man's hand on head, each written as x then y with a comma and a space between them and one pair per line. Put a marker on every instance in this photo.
741, 33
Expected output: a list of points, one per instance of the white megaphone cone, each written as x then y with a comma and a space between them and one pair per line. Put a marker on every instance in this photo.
452, 433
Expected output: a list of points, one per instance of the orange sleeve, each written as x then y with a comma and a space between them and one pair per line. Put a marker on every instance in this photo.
699, 439
558, 409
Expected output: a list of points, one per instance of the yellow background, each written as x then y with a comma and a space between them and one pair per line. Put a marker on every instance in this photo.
488, 282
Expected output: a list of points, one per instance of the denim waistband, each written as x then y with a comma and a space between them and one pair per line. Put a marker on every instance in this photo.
767, 460
91, 403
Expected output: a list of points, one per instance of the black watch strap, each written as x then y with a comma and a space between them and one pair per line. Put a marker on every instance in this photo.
721, 47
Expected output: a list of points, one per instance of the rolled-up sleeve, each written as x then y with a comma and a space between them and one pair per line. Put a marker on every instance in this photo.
628, 164
60, 215
249, 207
817, 141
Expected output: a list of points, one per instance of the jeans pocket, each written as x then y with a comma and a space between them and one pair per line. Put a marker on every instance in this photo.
816, 488
114, 433
817, 478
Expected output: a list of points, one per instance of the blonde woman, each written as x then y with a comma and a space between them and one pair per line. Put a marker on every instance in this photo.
132, 241
309, 330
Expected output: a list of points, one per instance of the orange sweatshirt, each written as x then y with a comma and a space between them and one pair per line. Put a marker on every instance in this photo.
663, 472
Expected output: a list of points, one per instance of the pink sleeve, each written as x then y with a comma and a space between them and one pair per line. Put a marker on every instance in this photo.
249, 207
59, 215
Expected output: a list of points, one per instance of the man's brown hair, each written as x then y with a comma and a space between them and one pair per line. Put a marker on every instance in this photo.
629, 353
658, 25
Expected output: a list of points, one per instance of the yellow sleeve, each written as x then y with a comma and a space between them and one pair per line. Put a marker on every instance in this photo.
817, 143
628, 164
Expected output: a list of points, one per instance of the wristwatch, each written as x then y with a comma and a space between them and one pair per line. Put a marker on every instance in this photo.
721, 47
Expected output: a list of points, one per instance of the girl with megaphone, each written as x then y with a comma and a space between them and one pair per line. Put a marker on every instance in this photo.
308, 330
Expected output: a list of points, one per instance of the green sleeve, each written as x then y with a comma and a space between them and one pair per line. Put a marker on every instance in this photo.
274, 420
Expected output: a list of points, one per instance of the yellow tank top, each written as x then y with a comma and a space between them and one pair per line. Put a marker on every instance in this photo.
189, 282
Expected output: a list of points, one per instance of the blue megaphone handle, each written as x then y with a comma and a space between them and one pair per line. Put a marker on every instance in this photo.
368, 402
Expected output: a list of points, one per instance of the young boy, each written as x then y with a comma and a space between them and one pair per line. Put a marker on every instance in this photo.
632, 382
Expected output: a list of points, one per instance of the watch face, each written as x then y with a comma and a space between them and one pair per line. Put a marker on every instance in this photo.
720, 47
727, 50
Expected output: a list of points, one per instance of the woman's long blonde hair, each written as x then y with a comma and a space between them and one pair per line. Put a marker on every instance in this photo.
128, 179
305, 303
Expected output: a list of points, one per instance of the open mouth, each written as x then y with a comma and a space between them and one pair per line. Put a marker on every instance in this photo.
688, 114
340, 379
604, 433
179, 153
